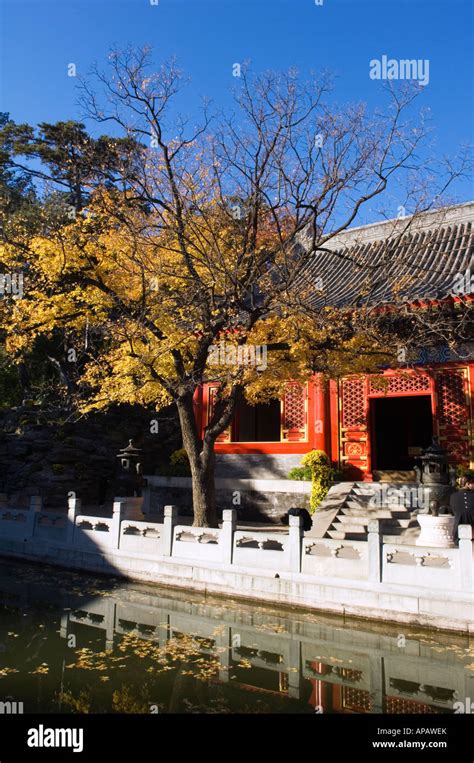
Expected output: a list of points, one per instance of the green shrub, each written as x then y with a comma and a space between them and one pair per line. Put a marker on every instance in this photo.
179, 457
322, 474
178, 465
300, 473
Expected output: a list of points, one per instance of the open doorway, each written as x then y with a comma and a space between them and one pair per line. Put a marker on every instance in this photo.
257, 423
401, 428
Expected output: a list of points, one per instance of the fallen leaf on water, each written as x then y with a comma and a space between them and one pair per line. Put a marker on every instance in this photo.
41, 669
6, 671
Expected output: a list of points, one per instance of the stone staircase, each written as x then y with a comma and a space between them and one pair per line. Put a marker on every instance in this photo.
353, 508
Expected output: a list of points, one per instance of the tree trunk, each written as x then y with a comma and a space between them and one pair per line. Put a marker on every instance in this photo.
25, 380
201, 462
204, 493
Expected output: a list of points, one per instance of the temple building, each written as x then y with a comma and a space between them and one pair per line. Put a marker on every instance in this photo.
376, 425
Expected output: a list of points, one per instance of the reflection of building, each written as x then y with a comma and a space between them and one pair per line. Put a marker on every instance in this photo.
401, 696
345, 670
375, 423
319, 663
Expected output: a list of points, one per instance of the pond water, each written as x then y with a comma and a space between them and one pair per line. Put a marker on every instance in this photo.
73, 643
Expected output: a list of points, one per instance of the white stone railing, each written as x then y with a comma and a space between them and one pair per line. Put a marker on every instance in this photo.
445, 569
96, 532
337, 558
442, 569
141, 537
19, 523
270, 551
197, 543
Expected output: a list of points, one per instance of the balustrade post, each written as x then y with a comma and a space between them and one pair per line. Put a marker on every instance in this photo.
118, 513
109, 625
223, 645
169, 522
73, 509
36, 505
64, 624
229, 524
295, 542
375, 551
376, 668
294, 667
465, 556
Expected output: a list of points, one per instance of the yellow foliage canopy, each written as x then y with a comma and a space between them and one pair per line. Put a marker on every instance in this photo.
156, 299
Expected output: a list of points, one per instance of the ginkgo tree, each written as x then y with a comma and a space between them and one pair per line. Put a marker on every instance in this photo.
203, 243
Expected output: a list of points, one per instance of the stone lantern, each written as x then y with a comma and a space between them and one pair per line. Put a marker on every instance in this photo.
436, 522
435, 476
435, 467
130, 476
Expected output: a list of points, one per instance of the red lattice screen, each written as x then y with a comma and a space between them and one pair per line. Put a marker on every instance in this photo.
356, 699
353, 402
398, 384
397, 705
354, 425
453, 413
294, 412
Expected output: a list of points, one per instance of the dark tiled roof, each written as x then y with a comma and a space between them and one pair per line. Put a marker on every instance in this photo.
427, 258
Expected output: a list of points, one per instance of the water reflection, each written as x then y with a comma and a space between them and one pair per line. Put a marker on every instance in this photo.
73, 643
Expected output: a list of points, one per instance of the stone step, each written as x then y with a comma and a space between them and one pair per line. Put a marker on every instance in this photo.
378, 495
374, 511
360, 506
364, 519
340, 535
359, 532
343, 521
359, 529
402, 523
363, 487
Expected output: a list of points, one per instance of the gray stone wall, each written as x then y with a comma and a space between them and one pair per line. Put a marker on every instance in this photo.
255, 500
257, 466
50, 452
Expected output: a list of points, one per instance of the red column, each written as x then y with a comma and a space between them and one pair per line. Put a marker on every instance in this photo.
333, 423
320, 421
470, 371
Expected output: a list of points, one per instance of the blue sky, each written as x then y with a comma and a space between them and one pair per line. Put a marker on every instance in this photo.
40, 38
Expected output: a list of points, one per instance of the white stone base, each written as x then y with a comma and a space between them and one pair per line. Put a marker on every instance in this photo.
436, 531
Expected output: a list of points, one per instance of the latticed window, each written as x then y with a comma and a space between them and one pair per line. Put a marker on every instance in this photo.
356, 699
294, 412
353, 403
451, 398
400, 383
399, 705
